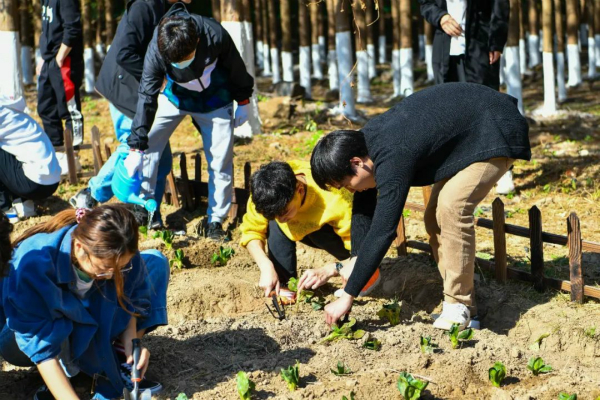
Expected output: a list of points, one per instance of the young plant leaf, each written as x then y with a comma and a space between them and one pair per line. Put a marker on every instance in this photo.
317, 303
566, 396
372, 344
349, 398
181, 396
535, 346
497, 374
245, 386
293, 284
222, 256
390, 312
178, 260
291, 376
467, 334
427, 345
344, 332
144, 231
341, 369
536, 366
410, 388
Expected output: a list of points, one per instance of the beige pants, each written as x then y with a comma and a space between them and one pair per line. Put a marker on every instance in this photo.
449, 222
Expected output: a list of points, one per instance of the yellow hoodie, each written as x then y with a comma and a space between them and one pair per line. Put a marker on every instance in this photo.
320, 208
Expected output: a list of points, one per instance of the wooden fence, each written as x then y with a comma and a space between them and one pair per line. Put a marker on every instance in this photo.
192, 190
537, 238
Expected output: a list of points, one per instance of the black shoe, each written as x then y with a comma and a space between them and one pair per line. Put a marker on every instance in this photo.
83, 199
43, 393
214, 231
141, 216
145, 383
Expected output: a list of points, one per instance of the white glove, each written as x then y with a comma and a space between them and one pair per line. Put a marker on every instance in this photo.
133, 163
241, 115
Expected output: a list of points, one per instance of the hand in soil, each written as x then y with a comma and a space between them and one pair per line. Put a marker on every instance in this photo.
314, 278
269, 281
336, 310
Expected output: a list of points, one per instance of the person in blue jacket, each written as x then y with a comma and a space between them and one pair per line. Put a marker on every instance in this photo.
77, 290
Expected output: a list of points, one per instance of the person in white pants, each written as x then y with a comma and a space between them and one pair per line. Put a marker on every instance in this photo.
216, 128
192, 67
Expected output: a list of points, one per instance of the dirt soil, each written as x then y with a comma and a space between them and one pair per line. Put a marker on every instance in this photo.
219, 324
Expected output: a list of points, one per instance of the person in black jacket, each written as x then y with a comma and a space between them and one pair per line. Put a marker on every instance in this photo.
462, 147
469, 38
118, 81
61, 73
194, 62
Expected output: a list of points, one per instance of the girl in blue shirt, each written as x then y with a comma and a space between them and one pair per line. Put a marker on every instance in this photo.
77, 289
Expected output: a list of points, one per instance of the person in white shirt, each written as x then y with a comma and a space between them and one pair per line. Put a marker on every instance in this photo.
29, 169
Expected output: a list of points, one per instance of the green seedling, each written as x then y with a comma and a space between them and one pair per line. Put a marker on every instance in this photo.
305, 296
349, 398
390, 312
181, 396
143, 231
410, 387
535, 346
536, 366
427, 345
341, 369
166, 236
456, 335
344, 332
497, 374
177, 262
291, 376
372, 344
245, 386
222, 256
317, 303
566, 396
590, 332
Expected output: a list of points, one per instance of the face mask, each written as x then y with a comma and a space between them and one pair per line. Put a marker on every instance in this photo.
184, 64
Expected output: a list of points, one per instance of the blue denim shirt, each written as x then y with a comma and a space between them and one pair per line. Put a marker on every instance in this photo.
39, 306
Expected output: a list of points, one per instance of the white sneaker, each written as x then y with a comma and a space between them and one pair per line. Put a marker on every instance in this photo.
12, 215
24, 209
453, 314
505, 185
64, 165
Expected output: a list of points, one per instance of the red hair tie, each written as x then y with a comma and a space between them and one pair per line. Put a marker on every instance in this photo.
79, 213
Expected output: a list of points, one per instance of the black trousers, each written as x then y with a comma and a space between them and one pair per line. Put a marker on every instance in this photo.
456, 71
14, 184
58, 99
282, 250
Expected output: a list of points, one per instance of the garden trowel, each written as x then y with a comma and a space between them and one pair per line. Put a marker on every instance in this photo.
136, 377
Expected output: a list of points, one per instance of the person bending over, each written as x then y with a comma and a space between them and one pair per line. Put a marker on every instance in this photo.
285, 207
77, 292
462, 147
193, 61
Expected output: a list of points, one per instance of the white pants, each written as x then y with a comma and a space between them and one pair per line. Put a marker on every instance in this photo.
217, 138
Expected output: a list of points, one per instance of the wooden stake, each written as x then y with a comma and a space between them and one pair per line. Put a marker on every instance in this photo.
400, 241
233, 211
426, 195
499, 239
575, 268
98, 162
68, 139
197, 177
174, 199
537, 248
186, 196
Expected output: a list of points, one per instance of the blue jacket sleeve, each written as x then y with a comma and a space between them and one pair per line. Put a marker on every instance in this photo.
32, 303
140, 287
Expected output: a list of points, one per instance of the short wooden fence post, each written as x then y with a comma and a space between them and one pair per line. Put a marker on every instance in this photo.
400, 241
575, 250
185, 186
499, 239
536, 248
